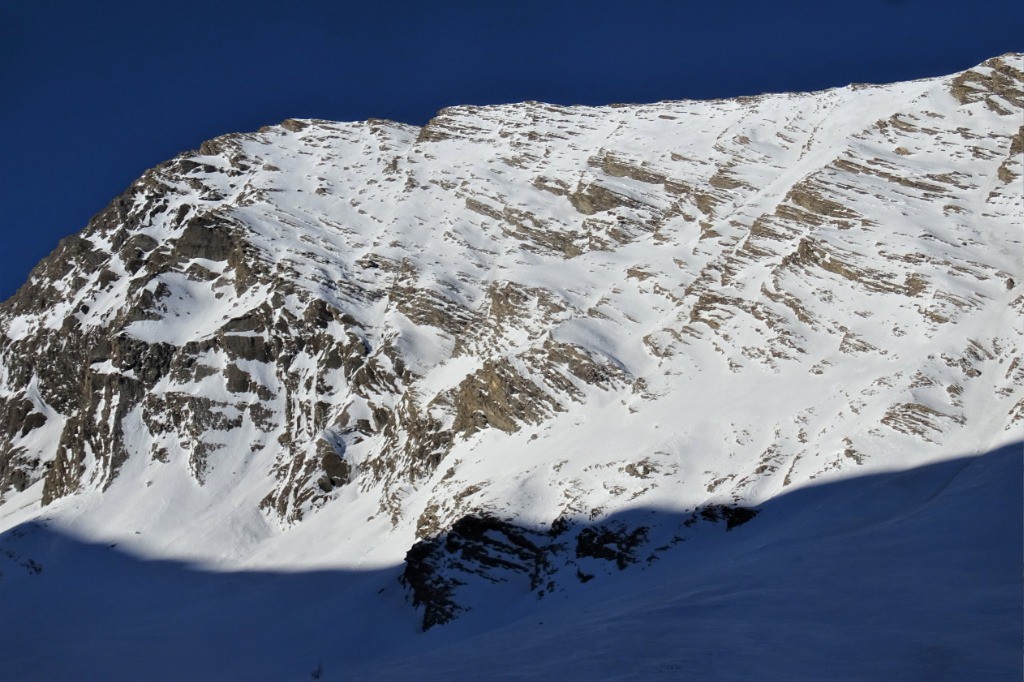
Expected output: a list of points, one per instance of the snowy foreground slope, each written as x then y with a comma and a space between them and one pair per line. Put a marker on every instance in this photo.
729, 388
910, 575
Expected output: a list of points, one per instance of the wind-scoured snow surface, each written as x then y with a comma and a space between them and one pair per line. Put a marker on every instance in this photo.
728, 389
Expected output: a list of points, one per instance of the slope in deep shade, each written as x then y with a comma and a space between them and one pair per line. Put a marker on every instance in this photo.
479, 344
901, 575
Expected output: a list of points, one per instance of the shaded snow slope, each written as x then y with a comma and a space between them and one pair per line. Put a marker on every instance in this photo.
908, 575
525, 345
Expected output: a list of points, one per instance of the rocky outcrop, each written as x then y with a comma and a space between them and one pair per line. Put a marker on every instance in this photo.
481, 549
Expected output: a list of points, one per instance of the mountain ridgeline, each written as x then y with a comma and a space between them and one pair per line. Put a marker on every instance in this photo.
486, 346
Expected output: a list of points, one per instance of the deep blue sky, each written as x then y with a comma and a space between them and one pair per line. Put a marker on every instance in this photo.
93, 93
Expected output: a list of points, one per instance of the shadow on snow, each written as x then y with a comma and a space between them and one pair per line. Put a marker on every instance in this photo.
911, 574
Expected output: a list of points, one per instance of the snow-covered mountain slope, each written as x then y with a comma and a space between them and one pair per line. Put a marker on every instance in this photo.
911, 575
526, 345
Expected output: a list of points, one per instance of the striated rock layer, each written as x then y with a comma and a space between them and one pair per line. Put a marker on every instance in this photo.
323, 343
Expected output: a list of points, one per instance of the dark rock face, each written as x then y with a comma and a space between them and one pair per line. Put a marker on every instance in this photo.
616, 545
484, 549
430, 588
733, 516
477, 547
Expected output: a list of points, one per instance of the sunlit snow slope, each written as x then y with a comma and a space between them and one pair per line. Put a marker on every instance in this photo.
526, 346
